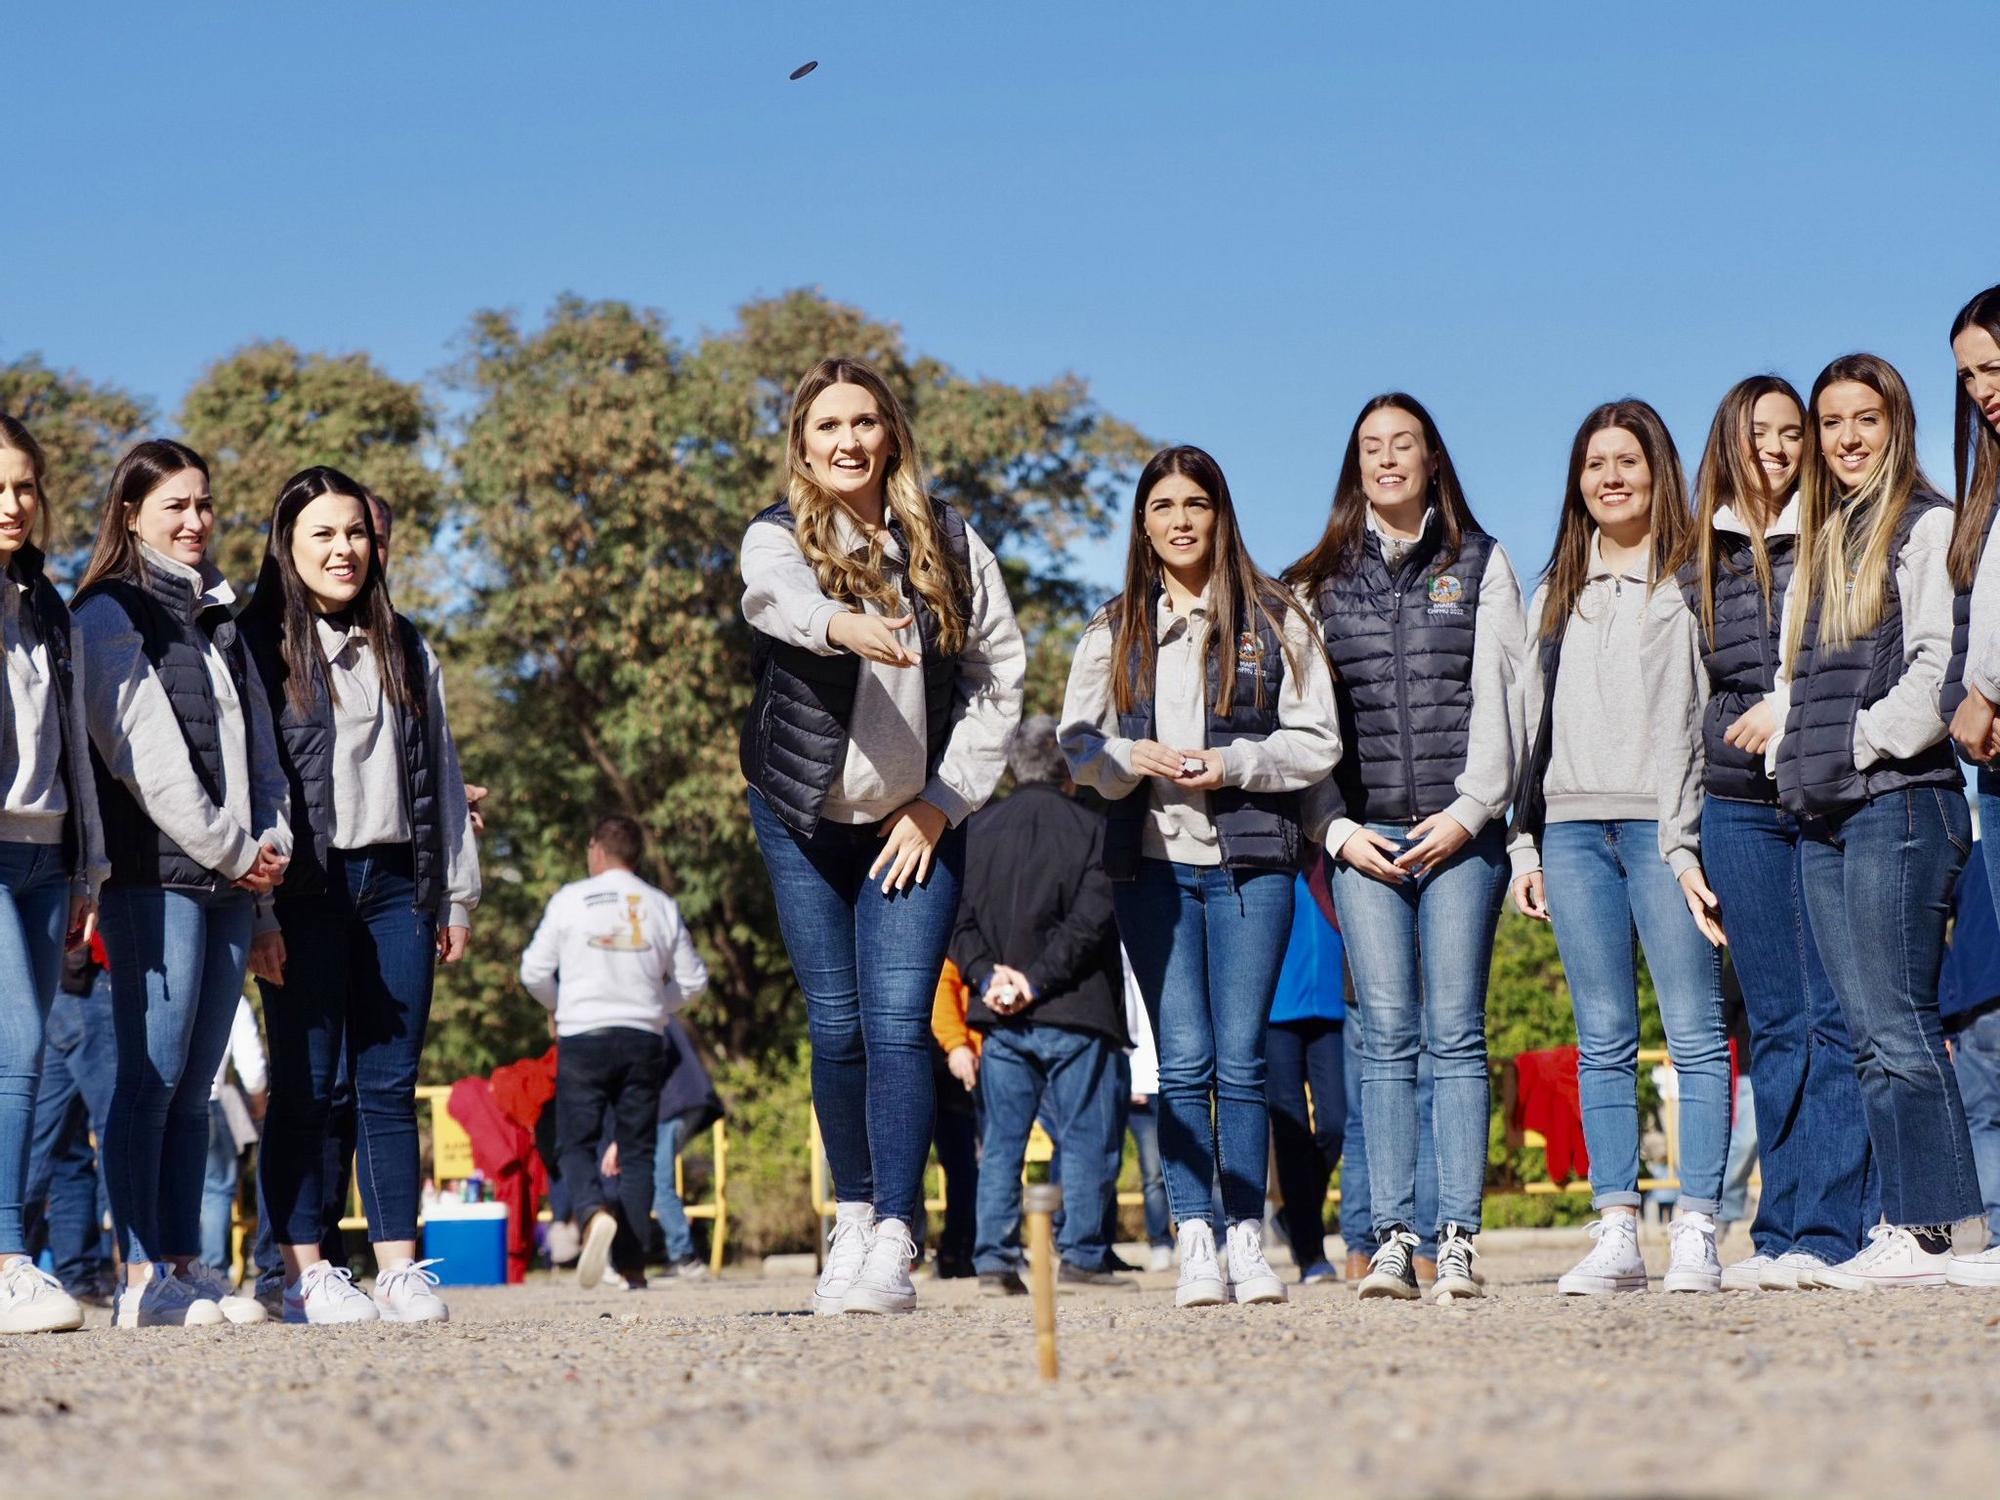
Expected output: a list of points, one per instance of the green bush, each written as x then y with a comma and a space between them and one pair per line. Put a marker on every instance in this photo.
770, 1183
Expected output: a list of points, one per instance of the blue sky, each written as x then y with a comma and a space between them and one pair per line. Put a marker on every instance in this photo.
1236, 221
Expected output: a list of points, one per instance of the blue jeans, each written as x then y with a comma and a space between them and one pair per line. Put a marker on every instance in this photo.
1305, 1130
667, 1207
79, 1069
336, 1176
1144, 1123
359, 964
34, 913
1025, 1070
1811, 1134
1976, 1060
218, 1188
1206, 944
869, 966
1878, 886
1357, 1221
1604, 879
1742, 1158
177, 961
1420, 952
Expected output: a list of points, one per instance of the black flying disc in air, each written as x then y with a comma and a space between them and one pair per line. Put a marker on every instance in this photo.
800, 72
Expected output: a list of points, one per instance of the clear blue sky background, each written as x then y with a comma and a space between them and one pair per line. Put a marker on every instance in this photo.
1236, 221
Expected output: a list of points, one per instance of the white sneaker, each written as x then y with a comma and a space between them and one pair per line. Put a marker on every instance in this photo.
1747, 1275
403, 1294
846, 1251
1250, 1275
565, 1243
1982, 1269
1794, 1271
1201, 1283
32, 1301
595, 1257
883, 1283
1391, 1270
1456, 1275
1892, 1258
1160, 1258
212, 1284
1692, 1264
1614, 1263
326, 1293
163, 1300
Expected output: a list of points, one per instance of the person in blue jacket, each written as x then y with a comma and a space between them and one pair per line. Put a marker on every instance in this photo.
1304, 1074
1969, 1005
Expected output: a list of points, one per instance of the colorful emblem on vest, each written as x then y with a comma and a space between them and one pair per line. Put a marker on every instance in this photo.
1447, 595
1249, 649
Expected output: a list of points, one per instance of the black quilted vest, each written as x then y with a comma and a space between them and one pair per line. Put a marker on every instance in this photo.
305, 748
1817, 776
1742, 658
49, 616
1257, 830
795, 735
162, 608
1953, 692
1401, 643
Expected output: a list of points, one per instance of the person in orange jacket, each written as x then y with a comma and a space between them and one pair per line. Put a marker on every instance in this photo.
958, 1123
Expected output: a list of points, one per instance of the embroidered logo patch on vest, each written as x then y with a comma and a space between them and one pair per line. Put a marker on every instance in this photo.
1249, 649
1447, 595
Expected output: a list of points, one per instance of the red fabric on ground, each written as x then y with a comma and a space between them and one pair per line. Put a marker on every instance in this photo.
505, 1154
1549, 1103
523, 1088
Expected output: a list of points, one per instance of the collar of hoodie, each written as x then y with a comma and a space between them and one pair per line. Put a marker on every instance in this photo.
205, 585
1787, 523
1167, 619
1599, 568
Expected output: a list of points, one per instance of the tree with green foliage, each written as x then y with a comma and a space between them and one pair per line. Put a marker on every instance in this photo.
84, 428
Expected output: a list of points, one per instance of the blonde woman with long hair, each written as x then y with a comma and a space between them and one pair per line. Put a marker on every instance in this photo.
1863, 759
888, 672
1717, 632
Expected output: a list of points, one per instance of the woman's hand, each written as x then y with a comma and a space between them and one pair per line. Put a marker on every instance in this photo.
1753, 728
1368, 852
1433, 841
1531, 897
264, 876
1151, 758
872, 636
1208, 778
267, 956
453, 944
910, 836
964, 1065
1703, 907
82, 922
1972, 726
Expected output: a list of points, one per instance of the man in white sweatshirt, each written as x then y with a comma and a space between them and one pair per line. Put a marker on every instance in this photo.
613, 960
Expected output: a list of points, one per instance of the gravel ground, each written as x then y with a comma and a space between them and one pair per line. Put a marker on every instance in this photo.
724, 1387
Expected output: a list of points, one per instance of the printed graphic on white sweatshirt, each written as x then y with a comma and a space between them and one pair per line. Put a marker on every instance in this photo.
628, 935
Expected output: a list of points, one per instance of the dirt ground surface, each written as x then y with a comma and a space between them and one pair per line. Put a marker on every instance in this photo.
725, 1387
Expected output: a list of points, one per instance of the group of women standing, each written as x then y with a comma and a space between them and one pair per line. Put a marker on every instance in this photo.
1719, 723
278, 791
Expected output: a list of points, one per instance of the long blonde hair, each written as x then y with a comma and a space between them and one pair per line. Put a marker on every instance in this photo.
933, 572
1845, 540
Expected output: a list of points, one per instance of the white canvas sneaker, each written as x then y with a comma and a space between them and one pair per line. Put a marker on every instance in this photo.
594, 1259
32, 1301
846, 1249
1794, 1271
406, 1294
1747, 1274
883, 1284
1982, 1269
326, 1293
212, 1284
1613, 1264
1692, 1264
1201, 1283
1892, 1258
1250, 1275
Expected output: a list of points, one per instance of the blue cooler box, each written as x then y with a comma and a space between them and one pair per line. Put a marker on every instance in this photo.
470, 1239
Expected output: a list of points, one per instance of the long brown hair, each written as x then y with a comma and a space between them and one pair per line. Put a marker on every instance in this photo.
1239, 592
1339, 546
933, 572
1975, 452
283, 599
1834, 525
1730, 475
141, 471
14, 435
1569, 559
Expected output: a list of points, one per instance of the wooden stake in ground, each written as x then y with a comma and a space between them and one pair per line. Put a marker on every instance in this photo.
1041, 1200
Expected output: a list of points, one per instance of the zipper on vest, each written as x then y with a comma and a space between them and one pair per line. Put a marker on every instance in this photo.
1409, 749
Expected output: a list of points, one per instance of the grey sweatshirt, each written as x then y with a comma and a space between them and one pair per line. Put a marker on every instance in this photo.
1672, 658
886, 764
31, 745
1602, 760
1299, 754
1494, 738
139, 739
1982, 659
1906, 721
